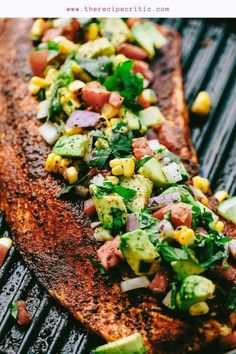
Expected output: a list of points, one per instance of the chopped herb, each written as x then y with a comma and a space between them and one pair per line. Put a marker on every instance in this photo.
99, 157
97, 265
231, 299
124, 192
121, 140
140, 163
146, 221
170, 253
13, 307
117, 216
41, 95
70, 188
167, 215
99, 68
105, 187
126, 82
174, 290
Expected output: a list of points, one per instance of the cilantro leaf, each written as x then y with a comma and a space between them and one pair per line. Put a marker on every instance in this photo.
170, 253
13, 307
121, 140
99, 68
97, 265
99, 158
117, 215
126, 82
140, 163
124, 192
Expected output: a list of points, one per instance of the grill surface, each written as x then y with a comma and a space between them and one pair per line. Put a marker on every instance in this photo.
209, 63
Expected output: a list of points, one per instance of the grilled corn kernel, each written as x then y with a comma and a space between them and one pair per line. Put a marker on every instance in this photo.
198, 309
51, 76
65, 45
70, 105
93, 31
201, 183
71, 175
184, 235
39, 81
202, 104
64, 164
149, 95
113, 179
76, 86
37, 28
221, 196
101, 143
219, 226
52, 163
114, 121
108, 111
76, 68
34, 89
120, 58
73, 130
123, 167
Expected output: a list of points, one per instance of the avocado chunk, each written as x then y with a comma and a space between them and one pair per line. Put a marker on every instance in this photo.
184, 268
143, 187
110, 208
155, 34
194, 288
96, 48
133, 120
151, 116
115, 30
133, 344
140, 35
227, 209
139, 252
74, 145
152, 170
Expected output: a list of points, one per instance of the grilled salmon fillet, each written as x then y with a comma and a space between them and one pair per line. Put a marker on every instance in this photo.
53, 235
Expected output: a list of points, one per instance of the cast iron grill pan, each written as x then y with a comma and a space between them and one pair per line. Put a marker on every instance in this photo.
209, 63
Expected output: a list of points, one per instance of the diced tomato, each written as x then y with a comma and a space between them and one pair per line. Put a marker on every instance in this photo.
23, 316
3, 253
181, 214
132, 51
51, 33
161, 282
89, 207
38, 62
109, 254
143, 68
116, 99
95, 94
143, 102
131, 21
141, 148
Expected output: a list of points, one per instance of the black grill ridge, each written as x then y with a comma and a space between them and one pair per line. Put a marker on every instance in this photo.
209, 63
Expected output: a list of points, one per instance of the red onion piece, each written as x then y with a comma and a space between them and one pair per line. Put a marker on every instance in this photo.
132, 222
151, 135
160, 201
82, 119
135, 283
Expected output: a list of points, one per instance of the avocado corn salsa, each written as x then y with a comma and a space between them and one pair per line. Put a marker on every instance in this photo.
92, 77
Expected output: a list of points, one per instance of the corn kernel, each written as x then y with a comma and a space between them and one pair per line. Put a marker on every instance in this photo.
219, 226
52, 163
101, 143
65, 45
76, 68
198, 309
34, 89
65, 163
202, 104
70, 105
108, 111
73, 130
201, 183
149, 95
120, 58
93, 31
35, 80
37, 28
71, 175
114, 121
51, 76
184, 235
76, 86
221, 196
123, 167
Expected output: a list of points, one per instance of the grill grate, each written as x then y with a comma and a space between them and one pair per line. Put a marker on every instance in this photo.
209, 62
